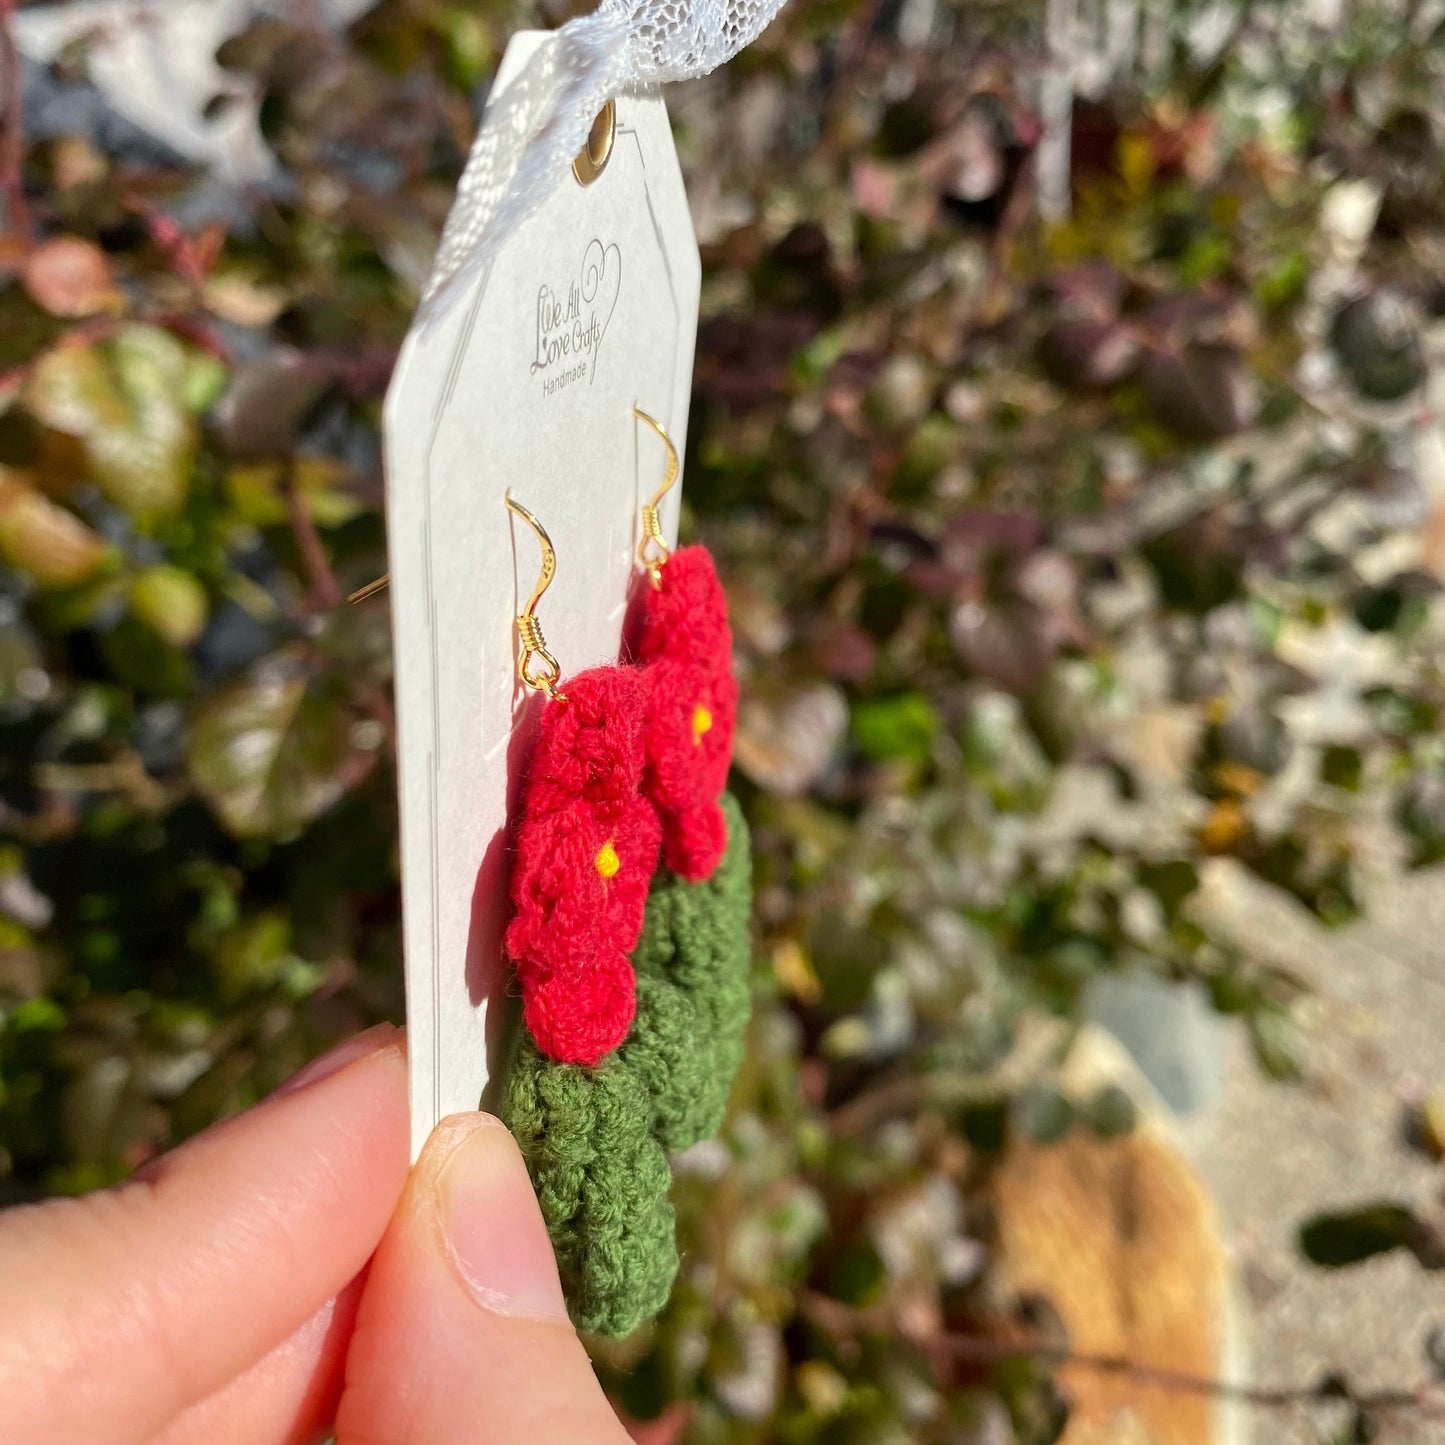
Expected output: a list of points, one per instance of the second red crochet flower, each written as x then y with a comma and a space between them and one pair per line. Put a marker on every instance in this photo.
686, 649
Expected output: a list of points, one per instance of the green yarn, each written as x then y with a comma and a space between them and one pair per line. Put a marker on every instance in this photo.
602, 1181
688, 1038
594, 1139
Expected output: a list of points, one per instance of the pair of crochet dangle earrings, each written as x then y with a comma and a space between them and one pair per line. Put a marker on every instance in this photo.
632, 891
630, 763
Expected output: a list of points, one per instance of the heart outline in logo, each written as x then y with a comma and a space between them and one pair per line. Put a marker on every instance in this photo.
595, 273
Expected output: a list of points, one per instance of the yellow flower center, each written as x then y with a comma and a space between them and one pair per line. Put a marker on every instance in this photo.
607, 862
701, 723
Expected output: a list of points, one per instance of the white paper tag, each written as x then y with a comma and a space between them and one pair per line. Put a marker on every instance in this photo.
528, 385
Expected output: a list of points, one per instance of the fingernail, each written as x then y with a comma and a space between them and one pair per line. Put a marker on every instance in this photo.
490, 1221
370, 1041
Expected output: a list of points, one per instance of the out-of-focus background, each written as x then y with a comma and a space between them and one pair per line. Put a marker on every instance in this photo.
1067, 428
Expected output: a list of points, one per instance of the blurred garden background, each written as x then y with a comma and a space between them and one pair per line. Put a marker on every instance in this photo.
1067, 427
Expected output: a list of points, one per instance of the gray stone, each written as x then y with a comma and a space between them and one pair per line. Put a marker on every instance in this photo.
1276, 1154
1171, 1031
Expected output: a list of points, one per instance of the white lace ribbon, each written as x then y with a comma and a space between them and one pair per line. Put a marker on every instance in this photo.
531, 132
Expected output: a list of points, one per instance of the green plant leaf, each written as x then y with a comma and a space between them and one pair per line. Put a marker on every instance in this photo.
1042, 1113
276, 751
1277, 1043
258, 956
320, 483
172, 602
47, 542
896, 727
1111, 1112
127, 401
1334, 1241
141, 658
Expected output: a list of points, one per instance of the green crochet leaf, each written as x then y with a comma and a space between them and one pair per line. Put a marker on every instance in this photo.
688, 1038
602, 1181
594, 1139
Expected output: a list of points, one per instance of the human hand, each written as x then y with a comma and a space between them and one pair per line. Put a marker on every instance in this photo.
225, 1295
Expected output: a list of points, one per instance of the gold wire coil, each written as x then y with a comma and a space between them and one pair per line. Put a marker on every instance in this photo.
652, 534
652, 551
534, 648
529, 629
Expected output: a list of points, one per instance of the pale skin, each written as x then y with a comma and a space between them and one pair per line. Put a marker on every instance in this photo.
282, 1276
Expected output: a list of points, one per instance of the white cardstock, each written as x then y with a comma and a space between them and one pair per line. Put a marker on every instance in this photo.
526, 385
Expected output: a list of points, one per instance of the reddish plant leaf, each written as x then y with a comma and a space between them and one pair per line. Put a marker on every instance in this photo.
70, 277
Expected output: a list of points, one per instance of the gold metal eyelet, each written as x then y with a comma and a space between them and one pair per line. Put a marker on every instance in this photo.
592, 159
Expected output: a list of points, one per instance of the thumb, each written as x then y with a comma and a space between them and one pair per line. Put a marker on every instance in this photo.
462, 1334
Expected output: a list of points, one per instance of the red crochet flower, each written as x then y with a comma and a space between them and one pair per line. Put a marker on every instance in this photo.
586, 852
687, 651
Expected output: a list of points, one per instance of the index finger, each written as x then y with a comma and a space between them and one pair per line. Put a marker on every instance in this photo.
122, 1308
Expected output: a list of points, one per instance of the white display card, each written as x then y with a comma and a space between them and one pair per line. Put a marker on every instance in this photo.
525, 383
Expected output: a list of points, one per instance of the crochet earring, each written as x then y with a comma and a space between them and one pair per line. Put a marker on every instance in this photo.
595, 1131
586, 850
692, 961
586, 847
685, 645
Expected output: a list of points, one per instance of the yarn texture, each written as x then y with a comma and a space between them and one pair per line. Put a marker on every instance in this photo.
586, 851
688, 1038
594, 1138
627, 1059
602, 1181
686, 649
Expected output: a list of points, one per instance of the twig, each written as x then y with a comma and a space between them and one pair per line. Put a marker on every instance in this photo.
1056, 104
977, 1349
198, 331
884, 1101
857, 48
906, 1095
1265, 1397
12, 129
1016, 211
325, 589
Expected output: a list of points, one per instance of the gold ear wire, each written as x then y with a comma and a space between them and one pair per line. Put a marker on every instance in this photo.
652, 523
534, 645
370, 590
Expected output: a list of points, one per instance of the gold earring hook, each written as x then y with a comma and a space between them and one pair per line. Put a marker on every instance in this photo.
534, 645
370, 590
652, 523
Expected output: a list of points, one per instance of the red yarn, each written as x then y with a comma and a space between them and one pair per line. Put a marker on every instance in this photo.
586, 852
686, 648
633, 760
